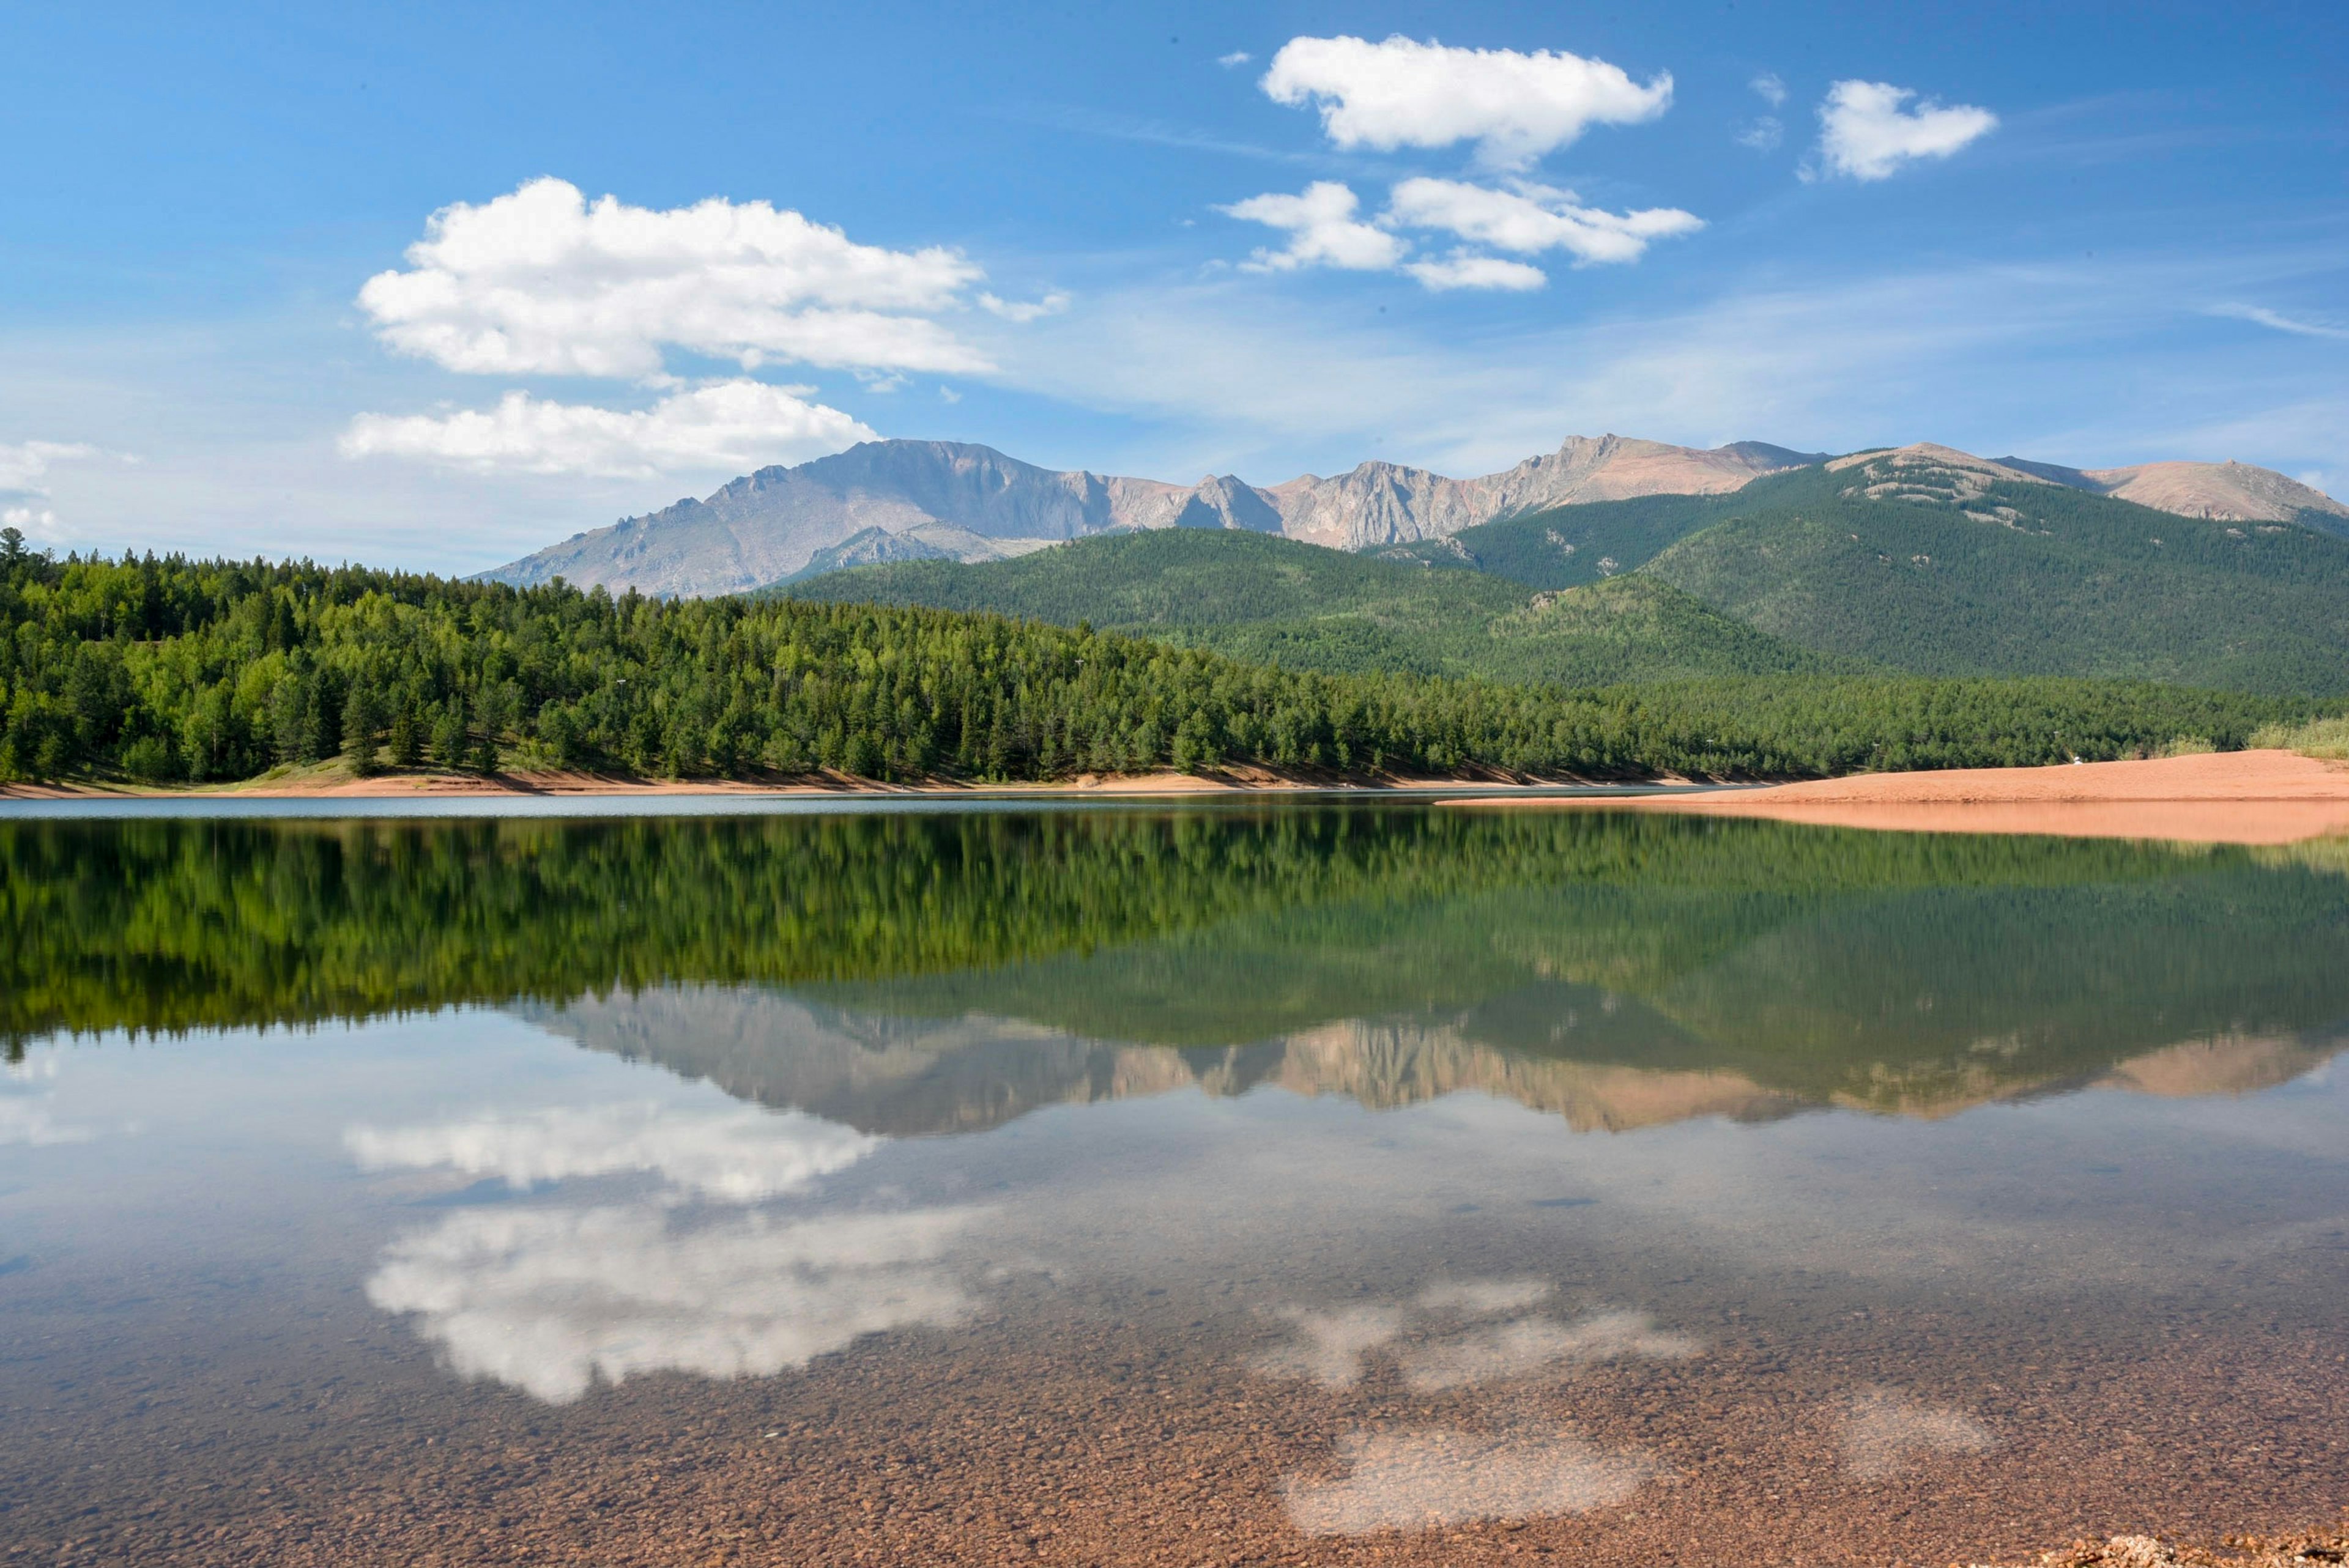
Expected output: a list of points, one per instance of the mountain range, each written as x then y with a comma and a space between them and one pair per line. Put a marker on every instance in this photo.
905, 500
1919, 560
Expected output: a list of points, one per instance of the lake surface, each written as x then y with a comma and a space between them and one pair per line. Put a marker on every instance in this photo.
1313, 1184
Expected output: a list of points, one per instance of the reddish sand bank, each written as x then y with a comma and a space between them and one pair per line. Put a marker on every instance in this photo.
340, 783
2230, 798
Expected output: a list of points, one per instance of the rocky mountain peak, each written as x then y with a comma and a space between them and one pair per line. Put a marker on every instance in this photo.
902, 499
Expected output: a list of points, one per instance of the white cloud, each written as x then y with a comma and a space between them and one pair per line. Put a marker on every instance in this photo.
549, 1301
543, 282
1052, 303
1433, 1477
2279, 321
1772, 92
739, 1153
732, 424
28, 461
1865, 132
21, 466
1234, 60
1467, 270
1531, 218
1763, 135
1325, 231
1404, 93
1322, 229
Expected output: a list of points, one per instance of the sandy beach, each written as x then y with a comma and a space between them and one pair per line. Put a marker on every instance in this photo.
2224, 797
2267, 797
334, 782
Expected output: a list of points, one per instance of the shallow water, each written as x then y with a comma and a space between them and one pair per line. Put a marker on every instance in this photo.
1327, 1184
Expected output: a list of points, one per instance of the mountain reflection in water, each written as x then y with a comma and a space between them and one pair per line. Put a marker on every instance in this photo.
906, 1077
1156, 1186
912, 975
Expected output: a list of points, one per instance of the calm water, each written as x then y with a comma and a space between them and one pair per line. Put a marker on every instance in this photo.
1322, 1184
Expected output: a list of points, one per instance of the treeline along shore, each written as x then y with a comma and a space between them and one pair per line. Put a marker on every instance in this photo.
166, 670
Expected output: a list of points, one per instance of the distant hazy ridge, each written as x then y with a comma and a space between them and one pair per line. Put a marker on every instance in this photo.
906, 500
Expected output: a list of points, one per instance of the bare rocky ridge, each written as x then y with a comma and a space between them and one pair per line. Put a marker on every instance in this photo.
2222, 492
974, 503
900, 500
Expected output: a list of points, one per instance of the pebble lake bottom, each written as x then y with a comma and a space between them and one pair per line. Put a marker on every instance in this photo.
1302, 1183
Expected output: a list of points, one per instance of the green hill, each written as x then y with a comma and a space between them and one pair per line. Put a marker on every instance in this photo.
2075, 585
1590, 542
1946, 575
1275, 601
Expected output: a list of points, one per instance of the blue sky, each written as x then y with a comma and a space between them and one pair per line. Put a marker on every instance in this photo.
1095, 237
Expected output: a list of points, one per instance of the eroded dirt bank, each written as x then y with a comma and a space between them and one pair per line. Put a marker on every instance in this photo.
340, 782
2230, 798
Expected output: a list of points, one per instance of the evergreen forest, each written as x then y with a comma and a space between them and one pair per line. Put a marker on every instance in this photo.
169, 670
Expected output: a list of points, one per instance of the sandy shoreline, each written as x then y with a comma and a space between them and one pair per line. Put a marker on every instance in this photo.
2233, 797
325, 784
2225, 798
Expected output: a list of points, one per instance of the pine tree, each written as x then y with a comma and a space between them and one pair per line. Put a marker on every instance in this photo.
451, 747
407, 739
362, 719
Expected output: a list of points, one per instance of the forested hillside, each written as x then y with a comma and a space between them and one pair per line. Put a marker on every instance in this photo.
1275, 600
169, 669
1570, 546
2076, 584
1963, 578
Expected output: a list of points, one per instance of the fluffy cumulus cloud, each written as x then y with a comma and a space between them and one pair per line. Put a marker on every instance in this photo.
1530, 218
23, 466
730, 425
25, 463
1467, 270
550, 1301
1403, 93
1052, 303
1323, 230
544, 282
735, 1153
1866, 134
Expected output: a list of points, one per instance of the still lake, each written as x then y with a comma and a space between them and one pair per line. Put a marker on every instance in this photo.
1311, 1183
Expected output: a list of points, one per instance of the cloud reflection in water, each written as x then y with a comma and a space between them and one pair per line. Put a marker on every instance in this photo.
734, 1153
1463, 1344
1884, 1431
26, 1115
1436, 1476
1527, 1344
548, 1300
